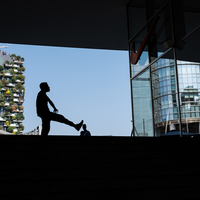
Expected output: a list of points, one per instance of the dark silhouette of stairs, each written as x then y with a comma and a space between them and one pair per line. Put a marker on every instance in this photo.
65, 167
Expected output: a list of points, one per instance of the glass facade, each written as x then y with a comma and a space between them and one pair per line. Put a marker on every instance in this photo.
164, 96
142, 105
165, 87
189, 86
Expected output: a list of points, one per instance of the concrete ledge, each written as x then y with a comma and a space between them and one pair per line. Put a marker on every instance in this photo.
60, 167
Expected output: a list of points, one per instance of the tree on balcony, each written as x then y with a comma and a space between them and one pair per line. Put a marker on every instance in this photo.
12, 71
17, 57
4, 116
8, 108
18, 85
10, 129
4, 82
2, 98
7, 62
13, 108
21, 127
4, 72
19, 116
20, 77
9, 81
1, 68
13, 55
13, 79
7, 113
7, 123
7, 92
21, 69
11, 97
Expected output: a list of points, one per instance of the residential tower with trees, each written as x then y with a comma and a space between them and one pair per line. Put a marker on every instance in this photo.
12, 92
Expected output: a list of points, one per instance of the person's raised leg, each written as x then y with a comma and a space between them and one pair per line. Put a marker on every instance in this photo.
62, 119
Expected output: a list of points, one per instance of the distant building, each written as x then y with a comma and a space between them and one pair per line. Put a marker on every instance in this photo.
164, 68
36, 131
11, 92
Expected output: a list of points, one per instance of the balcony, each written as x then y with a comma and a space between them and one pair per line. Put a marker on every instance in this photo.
18, 61
18, 81
10, 65
8, 74
11, 85
2, 120
16, 95
7, 104
13, 125
16, 100
16, 91
14, 130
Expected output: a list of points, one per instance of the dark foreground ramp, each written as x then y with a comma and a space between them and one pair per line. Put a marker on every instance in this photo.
57, 167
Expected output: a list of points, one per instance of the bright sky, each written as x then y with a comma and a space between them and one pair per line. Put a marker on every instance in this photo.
87, 84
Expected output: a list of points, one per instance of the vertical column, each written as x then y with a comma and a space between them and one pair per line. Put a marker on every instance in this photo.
177, 33
152, 48
152, 44
128, 30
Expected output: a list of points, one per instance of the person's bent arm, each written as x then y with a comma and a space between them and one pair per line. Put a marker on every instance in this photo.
52, 104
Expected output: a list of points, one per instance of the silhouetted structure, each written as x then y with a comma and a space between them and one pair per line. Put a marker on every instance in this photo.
44, 113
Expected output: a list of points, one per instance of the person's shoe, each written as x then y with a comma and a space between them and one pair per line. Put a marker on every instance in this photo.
78, 126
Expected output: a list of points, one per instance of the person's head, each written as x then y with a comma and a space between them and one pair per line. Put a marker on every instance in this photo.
84, 127
44, 87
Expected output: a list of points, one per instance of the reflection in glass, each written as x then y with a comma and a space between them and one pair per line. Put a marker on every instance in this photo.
164, 85
142, 106
165, 96
190, 97
142, 63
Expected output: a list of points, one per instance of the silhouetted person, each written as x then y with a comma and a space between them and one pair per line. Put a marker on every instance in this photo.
44, 113
85, 132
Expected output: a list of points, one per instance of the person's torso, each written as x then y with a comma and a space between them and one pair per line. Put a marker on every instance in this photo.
85, 133
42, 104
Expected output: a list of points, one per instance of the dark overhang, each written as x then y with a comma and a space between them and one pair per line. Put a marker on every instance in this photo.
71, 23
100, 24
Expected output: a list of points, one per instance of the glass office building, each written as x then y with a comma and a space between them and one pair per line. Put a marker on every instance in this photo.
165, 81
